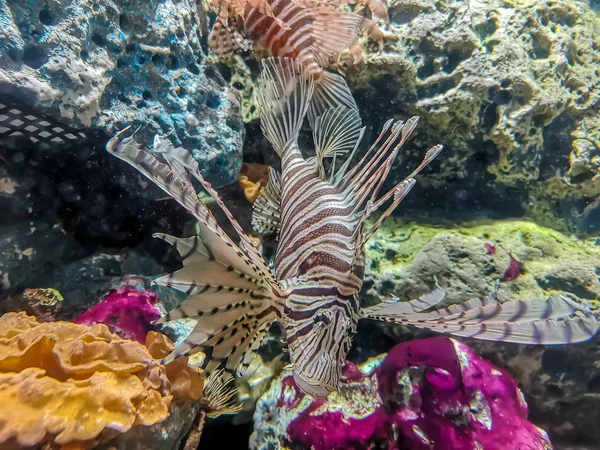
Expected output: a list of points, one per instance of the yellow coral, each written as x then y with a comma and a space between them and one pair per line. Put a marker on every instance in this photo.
64, 383
253, 178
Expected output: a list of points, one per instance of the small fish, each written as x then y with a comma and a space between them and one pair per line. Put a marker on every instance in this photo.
313, 35
319, 211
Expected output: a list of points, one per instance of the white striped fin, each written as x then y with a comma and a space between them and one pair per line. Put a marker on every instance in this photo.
536, 332
181, 160
331, 91
284, 91
225, 346
333, 31
335, 132
477, 311
201, 268
232, 288
266, 210
556, 321
395, 307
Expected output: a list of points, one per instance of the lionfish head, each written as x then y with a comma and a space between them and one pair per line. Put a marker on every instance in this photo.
319, 341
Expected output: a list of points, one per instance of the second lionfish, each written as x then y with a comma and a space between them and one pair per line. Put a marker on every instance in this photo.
319, 211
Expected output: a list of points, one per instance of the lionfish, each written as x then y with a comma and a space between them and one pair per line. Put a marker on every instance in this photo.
311, 32
319, 211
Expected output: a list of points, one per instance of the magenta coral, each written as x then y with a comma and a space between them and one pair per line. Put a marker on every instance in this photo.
127, 311
431, 394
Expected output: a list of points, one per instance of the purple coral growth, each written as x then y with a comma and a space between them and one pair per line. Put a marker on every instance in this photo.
127, 311
434, 394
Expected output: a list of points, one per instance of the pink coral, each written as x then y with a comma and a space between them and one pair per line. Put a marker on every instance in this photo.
127, 311
429, 394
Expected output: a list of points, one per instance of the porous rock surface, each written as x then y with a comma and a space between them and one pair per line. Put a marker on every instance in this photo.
561, 383
108, 64
511, 88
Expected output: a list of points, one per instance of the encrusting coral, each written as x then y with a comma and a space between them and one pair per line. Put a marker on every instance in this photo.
428, 394
253, 179
127, 311
63, 383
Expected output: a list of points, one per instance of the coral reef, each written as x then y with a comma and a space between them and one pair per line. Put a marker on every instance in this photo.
511, 89
68, 383
559, 383
252, 179
404, 257
427, 394
127, 312
107, 65
44, 304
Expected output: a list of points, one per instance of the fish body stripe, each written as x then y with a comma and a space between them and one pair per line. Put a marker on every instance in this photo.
295, 42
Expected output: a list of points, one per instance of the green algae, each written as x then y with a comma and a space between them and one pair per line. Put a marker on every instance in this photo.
404, 257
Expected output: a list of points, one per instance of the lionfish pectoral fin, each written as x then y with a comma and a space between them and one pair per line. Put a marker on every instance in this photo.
266, 210
220, 395
335, 132
283, 94
331, 91
224, 333
556, 321
394, 307
182, 161
230, 288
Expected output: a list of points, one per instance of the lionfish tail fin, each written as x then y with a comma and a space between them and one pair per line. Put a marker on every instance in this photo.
284, 92
540, 322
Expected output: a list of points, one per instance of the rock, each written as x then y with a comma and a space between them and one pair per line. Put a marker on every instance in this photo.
510, 89
426, 394
403, 259
107, 65
560, 383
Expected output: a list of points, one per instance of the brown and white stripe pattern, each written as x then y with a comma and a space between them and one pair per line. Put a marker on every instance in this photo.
311, 36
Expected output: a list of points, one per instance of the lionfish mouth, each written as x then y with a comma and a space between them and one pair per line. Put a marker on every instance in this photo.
319, 389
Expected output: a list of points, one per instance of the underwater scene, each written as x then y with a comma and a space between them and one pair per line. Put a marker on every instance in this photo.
300, 224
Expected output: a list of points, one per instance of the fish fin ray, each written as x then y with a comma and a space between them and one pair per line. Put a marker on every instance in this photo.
331, 91
333, 31
395, 307
335, 132
283, 94
556, 321
266, 209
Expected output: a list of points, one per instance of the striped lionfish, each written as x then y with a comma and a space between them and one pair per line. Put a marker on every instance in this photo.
312, 32
320, 213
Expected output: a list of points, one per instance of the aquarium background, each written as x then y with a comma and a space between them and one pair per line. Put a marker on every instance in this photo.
510, 88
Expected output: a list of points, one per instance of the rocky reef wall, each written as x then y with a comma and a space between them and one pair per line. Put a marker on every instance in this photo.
107, 65
511, 88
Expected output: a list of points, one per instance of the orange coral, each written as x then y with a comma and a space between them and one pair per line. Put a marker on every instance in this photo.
253, 178
64, 383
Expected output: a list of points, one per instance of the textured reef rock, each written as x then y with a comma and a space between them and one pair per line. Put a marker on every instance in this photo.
106, 65
511, 89
561, 383
405, 257
427, 394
